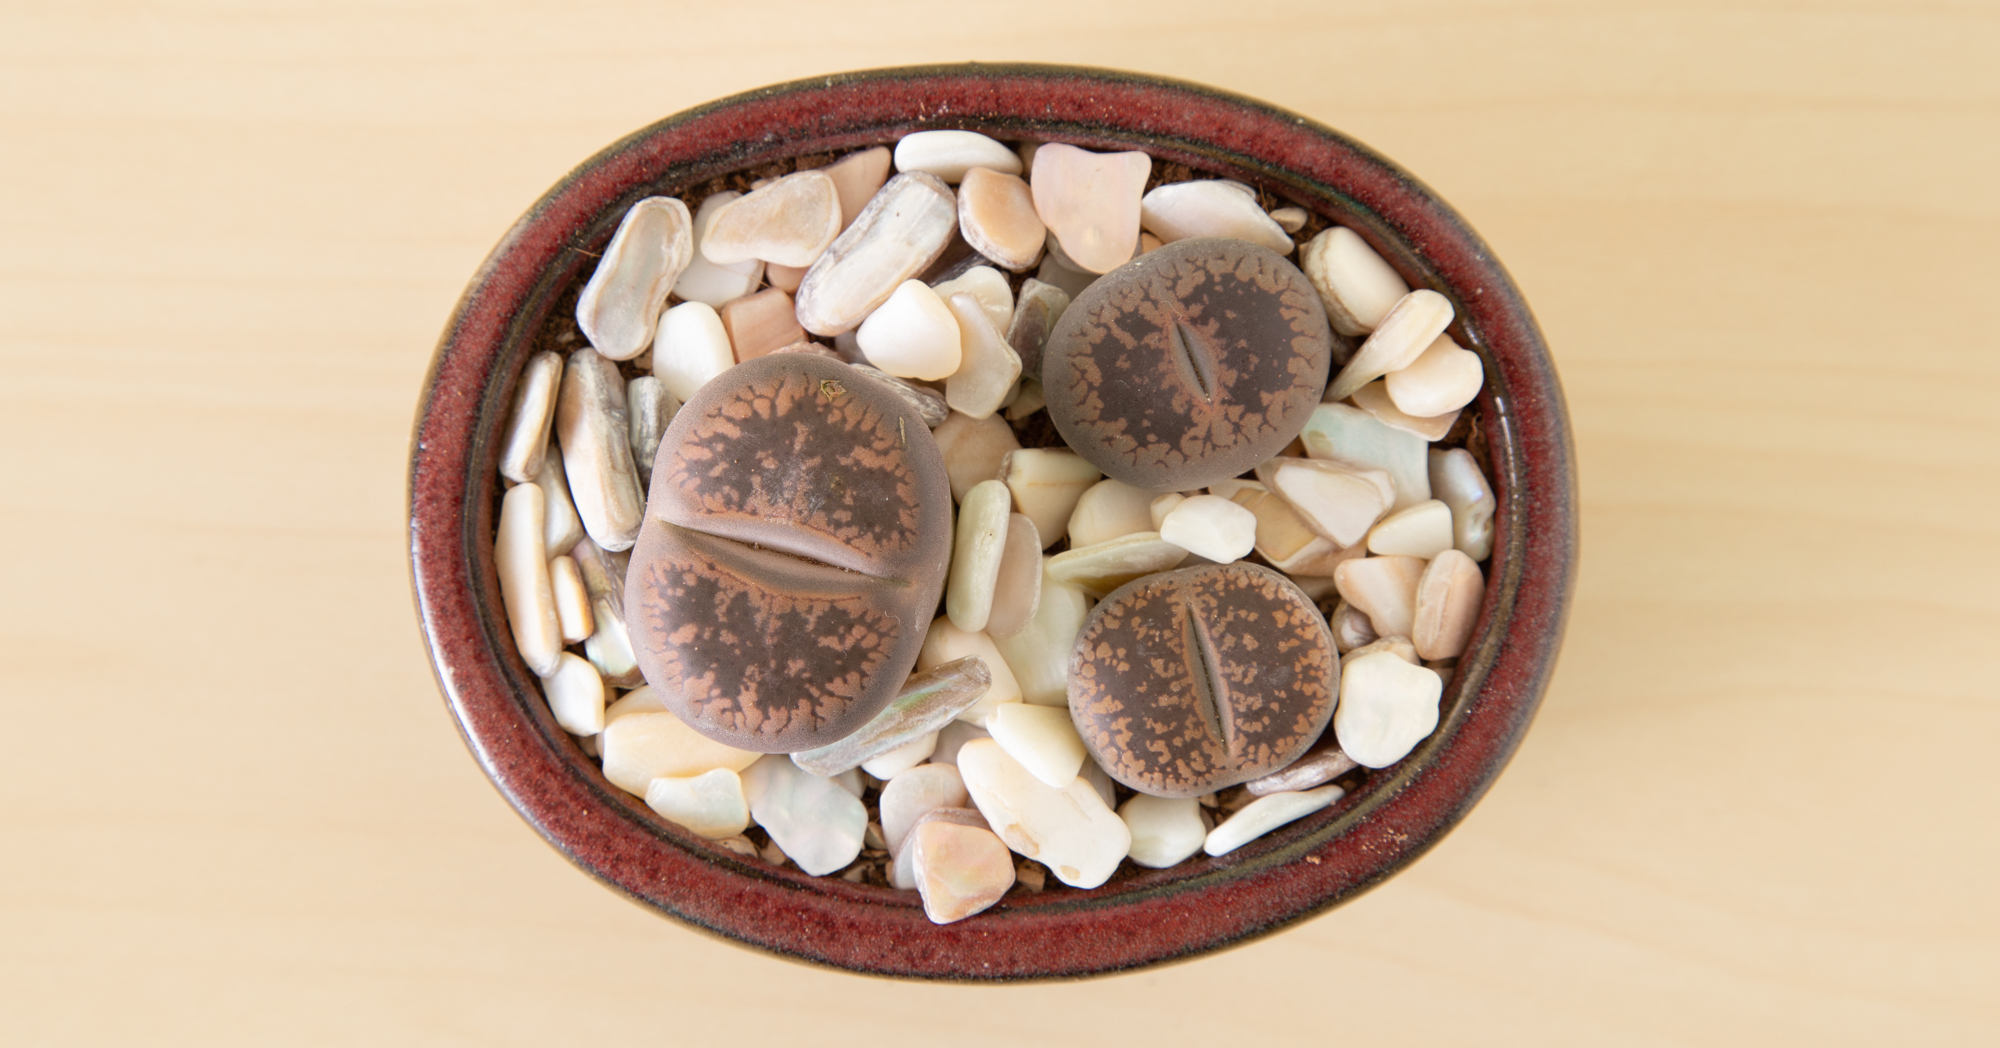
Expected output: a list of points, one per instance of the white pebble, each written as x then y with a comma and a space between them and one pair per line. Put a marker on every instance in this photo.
1336, 500
704, 281
1039, 654
576, 695
975, 556
1046, 483
986, 284
1351, 435
572, 601
1386, 707
1455, 476
950, 154
692, 348
1409, 329
1110, 509
1090, 202
910, 795
1071, 830
1443, 378
1180, 210
1384, 588
1448, 598
709, 805
816, 821
1356, 286
525, 589
1157, 510
642, 746
1213, 527
789, 223
1042, 738
912, 335
1164, 830
622, 301
1422, 530
1290, 219
901, 758
1265, 814
526, 441
988, 367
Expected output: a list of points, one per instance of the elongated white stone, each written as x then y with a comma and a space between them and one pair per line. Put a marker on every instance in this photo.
1017, 588
996, 215
1374, 399
1042, 738
901, 758
527, 437
1422, 530
1213, 527
595, 434
1047, 482
1099, 569
692, 348
988, 367
1180, 210
975, 558
1164, 830
950, 154
1385, 589
1039, 654
1409, 329
973, 450
856, 177
576, 695
910, 795
650, 407
709, 805
931, 699
1455, 476
1448, 598
621, 304
913, 335
789, 222
817, 822
572, 601
642, 746
1356, 286
986, 285
1443, 378
1265, 814
1110, 509
1386, 707
525, 590
704, 281
1070, 830
1336, 500
959, 870
1351, 435
561, 527
1090, 202
1323, 764
902, 230
945, 642
924, 400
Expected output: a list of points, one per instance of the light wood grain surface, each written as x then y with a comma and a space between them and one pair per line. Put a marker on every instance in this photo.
1760, 804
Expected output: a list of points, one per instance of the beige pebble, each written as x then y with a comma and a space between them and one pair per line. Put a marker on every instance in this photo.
1211, 526
910, 795
1047, 482
1356, 286
1164, 830
1038, 655
789, 222
786, 278
1110, 509
987, 285
1401, 647
1386, 707
760, 323
1385, 589
1042, 738
1443, 378
903, 869
1058, 271
572, 601
975, 557
642, 746
595, 434
621, 303
1290, 219
526, 439
1415, 322
959, 870
1265, 814
988, 366
1455, 476
1448, 599
996, 215
576, 695
1181, 210
692, 347
1070, 830
950, 155
1282, 536
1351, 628
1350, 435
1090, 202
704, 281
1336, 500
973, 450
1422, 530
1106, 566
1017, 589
1374, 399
913, 335
525, 589
1162, 505
642, 699
708, 805
945, 642
856, 177
902, 230
561, 527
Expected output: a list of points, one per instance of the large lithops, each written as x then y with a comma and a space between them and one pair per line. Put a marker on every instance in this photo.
795, 546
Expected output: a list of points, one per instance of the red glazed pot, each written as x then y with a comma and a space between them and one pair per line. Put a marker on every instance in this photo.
1141, 917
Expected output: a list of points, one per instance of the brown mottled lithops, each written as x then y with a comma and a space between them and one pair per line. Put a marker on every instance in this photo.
1189, 365
1185, 682
794, 550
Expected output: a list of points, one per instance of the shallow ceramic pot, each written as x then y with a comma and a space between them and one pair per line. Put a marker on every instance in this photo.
1141, 917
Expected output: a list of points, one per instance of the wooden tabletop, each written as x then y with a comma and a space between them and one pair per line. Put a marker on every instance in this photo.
1760, 804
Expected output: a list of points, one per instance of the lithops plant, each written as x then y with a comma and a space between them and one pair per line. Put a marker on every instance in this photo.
1190, 365
795, 544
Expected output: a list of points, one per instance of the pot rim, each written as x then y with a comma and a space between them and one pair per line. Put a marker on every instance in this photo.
1153, 917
